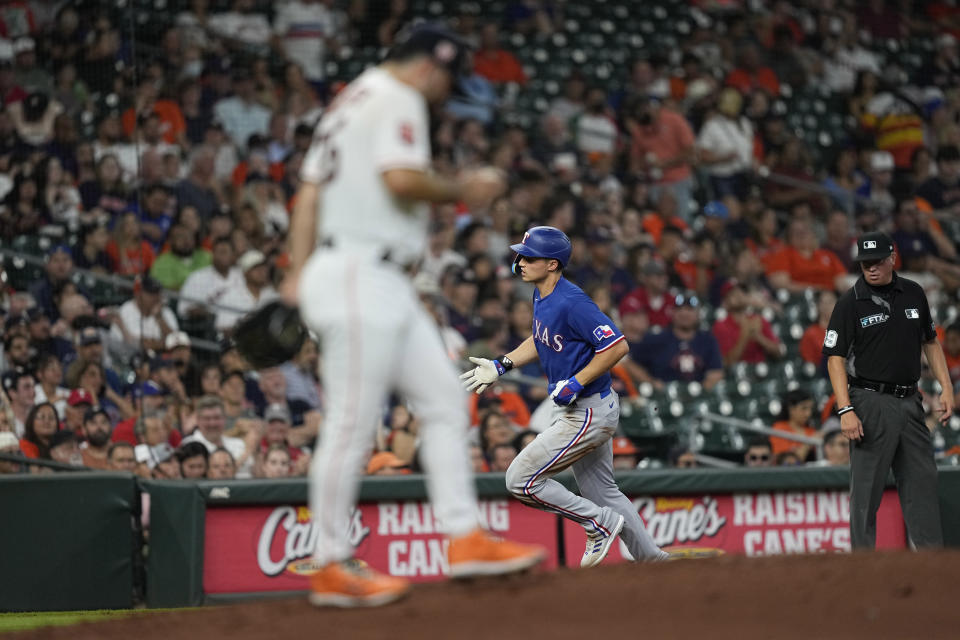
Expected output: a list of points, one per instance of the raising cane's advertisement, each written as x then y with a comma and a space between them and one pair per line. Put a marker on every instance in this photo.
753, 524
268, 548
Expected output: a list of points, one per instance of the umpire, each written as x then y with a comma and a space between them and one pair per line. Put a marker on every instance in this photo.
873, 344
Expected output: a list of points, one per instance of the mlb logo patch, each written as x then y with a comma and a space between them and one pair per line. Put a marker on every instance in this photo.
869, 244
912, 314
603, 331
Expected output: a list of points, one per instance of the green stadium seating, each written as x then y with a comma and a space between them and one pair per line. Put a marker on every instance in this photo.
104, 294
21, 274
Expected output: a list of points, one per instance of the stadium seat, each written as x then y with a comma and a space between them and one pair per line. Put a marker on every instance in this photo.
820, 387
929, 387
642, 423
785, 370
772, 388
768, 409
808, 371
719, 441
693, 390
104, 294
34, 245
759, 371
21, 274
723, 389
746, 408
740, 371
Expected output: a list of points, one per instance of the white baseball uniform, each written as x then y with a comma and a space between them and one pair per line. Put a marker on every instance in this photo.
355, 294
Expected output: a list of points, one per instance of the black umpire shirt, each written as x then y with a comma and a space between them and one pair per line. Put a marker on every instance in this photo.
880, 330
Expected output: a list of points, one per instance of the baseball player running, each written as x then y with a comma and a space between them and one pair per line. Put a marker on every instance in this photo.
359, 221
577, 345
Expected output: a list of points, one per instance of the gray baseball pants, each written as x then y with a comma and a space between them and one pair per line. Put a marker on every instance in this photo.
580, 437
894, 436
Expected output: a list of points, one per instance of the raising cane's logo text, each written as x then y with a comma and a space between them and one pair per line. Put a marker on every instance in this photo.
299, 538
752, 523
412, 533
410, 556
678, 520
809, 522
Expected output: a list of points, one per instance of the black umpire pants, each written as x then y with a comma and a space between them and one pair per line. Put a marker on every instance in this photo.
894, 435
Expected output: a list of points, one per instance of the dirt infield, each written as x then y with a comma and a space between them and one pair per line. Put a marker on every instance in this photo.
876, 595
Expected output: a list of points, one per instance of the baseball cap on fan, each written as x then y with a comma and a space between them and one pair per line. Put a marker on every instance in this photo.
88, 336
22, 45
250, 259
875, 245
442, 45
149, 284
729, 286
386, 460
881, 161
78, 397
277, 412
177, 339
8, 440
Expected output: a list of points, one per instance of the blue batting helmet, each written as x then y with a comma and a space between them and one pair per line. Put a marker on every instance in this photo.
543, 242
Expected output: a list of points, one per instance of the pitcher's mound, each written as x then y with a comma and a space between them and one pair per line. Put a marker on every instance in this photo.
869, 596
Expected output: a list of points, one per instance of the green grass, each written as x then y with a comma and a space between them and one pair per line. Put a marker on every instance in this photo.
36, 619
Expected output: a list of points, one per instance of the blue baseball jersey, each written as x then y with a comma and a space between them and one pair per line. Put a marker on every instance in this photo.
568, 330
667, 357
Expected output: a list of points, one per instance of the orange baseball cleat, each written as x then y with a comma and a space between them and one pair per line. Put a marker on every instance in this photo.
353, 584
481, 554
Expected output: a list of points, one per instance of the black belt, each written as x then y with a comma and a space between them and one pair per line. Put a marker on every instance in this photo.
898, 390
386, 256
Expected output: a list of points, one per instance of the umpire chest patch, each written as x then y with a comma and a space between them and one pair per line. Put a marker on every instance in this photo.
875, 319
912, 314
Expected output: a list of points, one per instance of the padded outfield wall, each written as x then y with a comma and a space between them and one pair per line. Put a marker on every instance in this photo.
71, 540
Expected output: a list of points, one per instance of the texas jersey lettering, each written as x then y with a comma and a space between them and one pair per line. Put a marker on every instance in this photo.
541, 334
569, 329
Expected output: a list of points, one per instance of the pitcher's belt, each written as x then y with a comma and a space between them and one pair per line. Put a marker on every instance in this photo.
385, 256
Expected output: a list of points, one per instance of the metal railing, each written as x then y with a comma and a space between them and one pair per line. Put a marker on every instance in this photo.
712, 461
37, 462
745, 425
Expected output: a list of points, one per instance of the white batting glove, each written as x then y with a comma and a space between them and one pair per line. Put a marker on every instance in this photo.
483, 375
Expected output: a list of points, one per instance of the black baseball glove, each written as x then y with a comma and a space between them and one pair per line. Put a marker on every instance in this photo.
271, 335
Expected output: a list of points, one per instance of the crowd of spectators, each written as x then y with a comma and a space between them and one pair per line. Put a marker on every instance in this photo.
170, 157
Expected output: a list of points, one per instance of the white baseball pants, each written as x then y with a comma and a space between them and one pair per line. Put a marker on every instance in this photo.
580, 437
377, 338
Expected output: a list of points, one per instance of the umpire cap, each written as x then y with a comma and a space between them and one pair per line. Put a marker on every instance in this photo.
875, 245
441, 45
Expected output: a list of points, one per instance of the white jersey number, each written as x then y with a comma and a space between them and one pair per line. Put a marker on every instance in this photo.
329, 152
